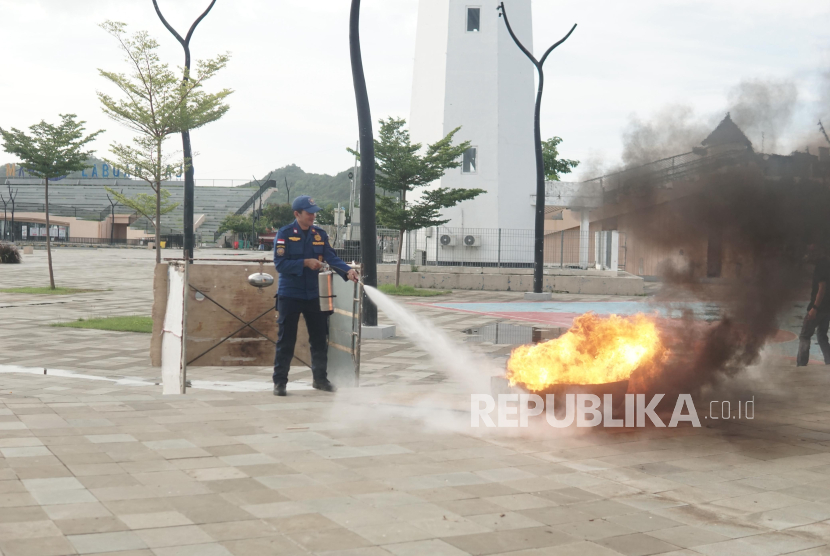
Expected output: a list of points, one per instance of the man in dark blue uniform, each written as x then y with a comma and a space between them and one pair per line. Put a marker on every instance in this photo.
817, 320
299, 252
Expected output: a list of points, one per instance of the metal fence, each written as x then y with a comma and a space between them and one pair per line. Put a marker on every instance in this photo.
82, 240
83, 213
170, 240
482, 248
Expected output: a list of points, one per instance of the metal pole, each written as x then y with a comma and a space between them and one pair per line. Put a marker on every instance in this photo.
368, 225
437, 242
189, 182
539, 220
562, 249
183, 374
499, 259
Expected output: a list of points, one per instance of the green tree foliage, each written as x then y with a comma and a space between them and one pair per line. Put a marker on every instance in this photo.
277, 216
242, 225
144, 203
401, 170
156, 103
49, 152
325, 217
555, 166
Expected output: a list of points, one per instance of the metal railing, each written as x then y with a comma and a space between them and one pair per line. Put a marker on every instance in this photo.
482, 248
257, 194
174, 241
668, 169
82, 240
83, 213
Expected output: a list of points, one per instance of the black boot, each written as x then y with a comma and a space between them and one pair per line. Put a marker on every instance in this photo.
325, 386
279, 390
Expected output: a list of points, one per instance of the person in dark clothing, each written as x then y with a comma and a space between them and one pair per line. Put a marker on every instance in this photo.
817, 320
299, 252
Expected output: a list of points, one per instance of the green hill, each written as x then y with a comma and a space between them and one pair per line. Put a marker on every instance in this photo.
324, 189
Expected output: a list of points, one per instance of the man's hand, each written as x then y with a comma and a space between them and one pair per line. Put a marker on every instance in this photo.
353, 275
313, 264
811, 314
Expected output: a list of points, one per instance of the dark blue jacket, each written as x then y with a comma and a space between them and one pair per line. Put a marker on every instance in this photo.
290, 249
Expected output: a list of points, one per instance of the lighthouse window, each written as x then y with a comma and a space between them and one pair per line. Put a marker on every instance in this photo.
468, 161
473, 20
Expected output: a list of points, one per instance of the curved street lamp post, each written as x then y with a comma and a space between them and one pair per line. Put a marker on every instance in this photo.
539, 221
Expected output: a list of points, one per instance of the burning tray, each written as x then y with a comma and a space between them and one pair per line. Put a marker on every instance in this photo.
501, 385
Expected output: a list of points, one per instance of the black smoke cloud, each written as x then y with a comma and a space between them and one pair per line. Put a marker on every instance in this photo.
762, 223
673, 130
764, 226
764, 110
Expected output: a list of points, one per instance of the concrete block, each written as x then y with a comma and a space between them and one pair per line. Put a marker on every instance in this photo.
544, 296
381, 332
28, 250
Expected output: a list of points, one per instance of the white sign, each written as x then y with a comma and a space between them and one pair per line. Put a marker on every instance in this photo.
23, 232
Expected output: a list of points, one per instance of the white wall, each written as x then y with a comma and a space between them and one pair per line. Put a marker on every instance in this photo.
486, 86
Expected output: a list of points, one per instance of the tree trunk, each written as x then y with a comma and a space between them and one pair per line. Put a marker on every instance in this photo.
49, 239
158, 222
400, 250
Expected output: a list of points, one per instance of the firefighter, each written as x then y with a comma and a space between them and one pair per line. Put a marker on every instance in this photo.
817, 320
299, 252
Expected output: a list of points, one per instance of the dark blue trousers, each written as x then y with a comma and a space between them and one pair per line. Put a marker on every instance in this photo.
317, 323
819, 327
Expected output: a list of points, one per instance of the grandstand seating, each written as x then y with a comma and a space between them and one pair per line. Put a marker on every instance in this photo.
90, 202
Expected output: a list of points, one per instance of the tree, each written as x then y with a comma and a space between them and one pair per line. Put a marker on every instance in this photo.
326, 216
277, 216
555, 166
145, 205
157, 104
50, 152
539, 220
401, 170
241, 224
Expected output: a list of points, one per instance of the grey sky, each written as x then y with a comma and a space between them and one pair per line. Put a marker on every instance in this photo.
290, 68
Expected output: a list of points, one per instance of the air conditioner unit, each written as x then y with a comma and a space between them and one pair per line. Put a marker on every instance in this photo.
446, 240
472, 241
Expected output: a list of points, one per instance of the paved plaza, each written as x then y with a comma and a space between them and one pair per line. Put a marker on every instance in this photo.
96, 461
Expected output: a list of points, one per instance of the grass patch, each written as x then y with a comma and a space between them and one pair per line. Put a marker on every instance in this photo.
389, 289
45, 290
117, 324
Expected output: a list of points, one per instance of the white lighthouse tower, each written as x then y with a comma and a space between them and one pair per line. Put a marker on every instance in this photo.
470, 73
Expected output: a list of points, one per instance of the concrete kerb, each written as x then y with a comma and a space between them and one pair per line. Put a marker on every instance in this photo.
594, 282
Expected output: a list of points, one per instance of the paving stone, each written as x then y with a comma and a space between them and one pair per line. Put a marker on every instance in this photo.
106, 542
513, 540
173, 536
44, 546
637, 544
246, 473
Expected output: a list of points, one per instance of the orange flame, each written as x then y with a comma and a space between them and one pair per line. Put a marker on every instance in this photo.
594, 351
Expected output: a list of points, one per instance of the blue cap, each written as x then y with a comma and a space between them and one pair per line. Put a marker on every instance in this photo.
306, 203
